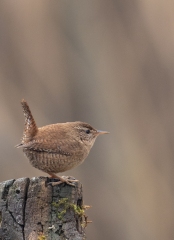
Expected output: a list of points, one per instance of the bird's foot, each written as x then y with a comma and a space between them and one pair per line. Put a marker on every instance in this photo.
63, 179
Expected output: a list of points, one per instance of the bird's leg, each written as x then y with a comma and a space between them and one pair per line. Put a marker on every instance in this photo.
62, 180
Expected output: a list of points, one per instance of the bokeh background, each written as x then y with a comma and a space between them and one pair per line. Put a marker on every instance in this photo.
109, 63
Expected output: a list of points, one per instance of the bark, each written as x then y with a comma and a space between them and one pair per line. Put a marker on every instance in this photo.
32, 209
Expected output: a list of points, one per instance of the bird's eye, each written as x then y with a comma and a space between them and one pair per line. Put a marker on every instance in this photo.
87, 131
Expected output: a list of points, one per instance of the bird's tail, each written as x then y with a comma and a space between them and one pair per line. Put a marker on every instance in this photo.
30, 127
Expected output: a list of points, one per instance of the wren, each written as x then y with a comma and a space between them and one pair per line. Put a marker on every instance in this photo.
57, 147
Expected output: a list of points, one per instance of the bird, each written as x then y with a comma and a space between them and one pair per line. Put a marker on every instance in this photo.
56, 148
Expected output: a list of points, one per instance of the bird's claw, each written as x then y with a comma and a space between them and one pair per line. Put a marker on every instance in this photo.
63, 180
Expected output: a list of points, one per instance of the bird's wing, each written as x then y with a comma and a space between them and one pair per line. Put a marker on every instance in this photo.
53, 141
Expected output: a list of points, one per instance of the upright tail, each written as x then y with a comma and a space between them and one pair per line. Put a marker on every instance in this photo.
30, 128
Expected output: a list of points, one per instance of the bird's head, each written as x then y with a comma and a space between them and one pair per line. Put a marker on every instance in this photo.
86, 133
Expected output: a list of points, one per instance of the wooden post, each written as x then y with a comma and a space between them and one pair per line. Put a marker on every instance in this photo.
32, 209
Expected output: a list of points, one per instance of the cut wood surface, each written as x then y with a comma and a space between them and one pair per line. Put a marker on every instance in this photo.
32, 209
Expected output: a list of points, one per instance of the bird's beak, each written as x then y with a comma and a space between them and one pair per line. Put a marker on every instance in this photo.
101, 132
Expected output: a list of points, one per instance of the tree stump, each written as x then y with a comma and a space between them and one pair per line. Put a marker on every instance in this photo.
32, 209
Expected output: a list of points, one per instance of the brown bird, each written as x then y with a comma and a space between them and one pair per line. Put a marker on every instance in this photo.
57, 147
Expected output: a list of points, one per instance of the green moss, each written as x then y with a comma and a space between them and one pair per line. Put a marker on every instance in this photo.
78, 210
66, 204
41, 237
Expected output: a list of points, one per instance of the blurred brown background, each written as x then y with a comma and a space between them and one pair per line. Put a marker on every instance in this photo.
109, 63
